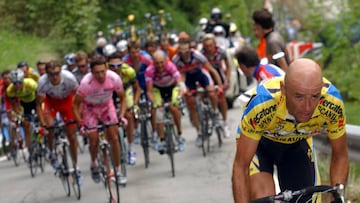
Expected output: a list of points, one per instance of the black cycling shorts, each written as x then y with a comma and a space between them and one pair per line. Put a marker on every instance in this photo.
295, 163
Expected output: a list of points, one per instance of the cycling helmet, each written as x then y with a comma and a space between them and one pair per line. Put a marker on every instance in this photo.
22, 64
216, 14
233, 27
70, 58
101, 42
109, 49
219, 30
16, 75
203, 23
121, 45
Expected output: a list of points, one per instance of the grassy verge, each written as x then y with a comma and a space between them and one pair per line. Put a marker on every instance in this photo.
18, 47
352, 113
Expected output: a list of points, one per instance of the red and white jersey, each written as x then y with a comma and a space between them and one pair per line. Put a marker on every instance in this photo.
65, 88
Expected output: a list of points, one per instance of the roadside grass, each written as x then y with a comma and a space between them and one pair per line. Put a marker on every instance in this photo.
15, 47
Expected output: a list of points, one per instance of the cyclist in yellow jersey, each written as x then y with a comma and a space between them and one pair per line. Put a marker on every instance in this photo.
22, 91
277, 128
132, 94
28, 71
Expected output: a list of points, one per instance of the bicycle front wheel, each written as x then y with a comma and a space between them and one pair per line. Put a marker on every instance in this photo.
220, 134
75, 182
62, 157
144, 136
112, 180
205, 138
34, 160
170, 146
123, 158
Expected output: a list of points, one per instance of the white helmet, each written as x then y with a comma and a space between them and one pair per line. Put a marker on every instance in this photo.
70, 58
109, 49
203, 21
16, 75
218, 29
121, 45
101, 42
215, 11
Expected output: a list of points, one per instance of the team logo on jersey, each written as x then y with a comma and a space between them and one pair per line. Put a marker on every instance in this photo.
263, 117
329, 109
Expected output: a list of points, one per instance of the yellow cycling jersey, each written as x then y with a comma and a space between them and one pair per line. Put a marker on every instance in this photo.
266, 115
27, 93
33, 75
127, 74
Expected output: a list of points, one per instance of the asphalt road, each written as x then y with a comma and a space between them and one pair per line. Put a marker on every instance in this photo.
198, 179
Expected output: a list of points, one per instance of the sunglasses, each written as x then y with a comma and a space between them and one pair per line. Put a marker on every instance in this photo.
17, 83
53, 73
115, 65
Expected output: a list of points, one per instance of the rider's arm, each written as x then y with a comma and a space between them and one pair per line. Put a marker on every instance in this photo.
137, 91
149, 92
339, 165
214, 73
282, 63
39, 109
76, 107
227, 70
122, 107
245, 150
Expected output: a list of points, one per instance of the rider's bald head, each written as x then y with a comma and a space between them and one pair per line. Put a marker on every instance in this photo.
159, 55
305, 72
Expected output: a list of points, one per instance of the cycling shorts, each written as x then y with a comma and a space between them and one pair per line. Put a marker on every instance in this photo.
165, 94
29, 108
63, 106
221, 75
105, 112
201, 76
296, 163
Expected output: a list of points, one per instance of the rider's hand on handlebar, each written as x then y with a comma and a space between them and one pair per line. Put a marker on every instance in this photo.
124, 121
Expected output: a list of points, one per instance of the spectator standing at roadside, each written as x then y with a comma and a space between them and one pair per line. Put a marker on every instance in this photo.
272, 45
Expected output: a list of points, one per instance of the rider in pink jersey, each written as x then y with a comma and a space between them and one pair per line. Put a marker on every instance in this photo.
93, 103
162, 85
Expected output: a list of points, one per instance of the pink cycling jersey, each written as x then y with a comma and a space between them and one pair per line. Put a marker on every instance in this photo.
166, 78
97, 102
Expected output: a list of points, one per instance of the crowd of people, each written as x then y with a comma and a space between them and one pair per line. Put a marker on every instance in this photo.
292, 102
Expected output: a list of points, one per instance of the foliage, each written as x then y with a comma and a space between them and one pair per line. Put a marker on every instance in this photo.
72, 22
16, 46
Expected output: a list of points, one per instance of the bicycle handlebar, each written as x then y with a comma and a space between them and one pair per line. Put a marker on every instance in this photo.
287, 195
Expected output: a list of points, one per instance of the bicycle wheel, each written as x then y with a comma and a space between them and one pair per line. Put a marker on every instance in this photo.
170, 146
33, 160
64, 170
144, 136
75, 182
205, 138
112, 181
15, 148
220, 132
123, 158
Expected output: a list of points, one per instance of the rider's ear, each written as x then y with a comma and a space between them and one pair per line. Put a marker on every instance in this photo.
282, 87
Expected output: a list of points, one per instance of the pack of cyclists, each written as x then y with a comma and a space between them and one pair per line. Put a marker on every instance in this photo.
105, 86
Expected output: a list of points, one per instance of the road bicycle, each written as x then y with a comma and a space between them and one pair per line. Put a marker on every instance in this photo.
143, 114
17, 146
208, 120
38, 150
170, 135
306, 195
106, 163
69, 176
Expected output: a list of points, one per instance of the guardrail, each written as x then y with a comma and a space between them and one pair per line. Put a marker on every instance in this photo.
353, 139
